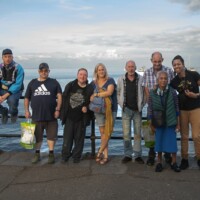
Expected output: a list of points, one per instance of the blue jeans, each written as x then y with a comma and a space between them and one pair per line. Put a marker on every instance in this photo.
127, 117
12, 101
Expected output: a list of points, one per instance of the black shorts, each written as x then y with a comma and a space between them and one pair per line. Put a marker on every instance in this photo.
51, 128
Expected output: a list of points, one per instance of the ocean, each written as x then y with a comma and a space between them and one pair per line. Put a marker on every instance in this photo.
64, 76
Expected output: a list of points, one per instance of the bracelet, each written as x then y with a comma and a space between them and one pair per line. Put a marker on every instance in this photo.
58, 110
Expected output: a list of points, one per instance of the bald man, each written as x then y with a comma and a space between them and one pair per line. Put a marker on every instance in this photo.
150, 82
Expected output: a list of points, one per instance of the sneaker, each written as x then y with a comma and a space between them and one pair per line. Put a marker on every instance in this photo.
184, 164
159, 167
139, 160
13, 118
150, 161
175, 167
64, 160
4, 117
51, 158
126, 159
168, 158
198, 163
36, 158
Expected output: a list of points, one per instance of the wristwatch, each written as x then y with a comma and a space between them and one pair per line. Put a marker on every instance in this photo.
96, 94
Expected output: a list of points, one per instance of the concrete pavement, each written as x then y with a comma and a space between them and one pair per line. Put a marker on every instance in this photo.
20, 180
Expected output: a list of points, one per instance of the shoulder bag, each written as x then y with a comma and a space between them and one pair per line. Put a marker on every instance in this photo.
98, 104
158, 116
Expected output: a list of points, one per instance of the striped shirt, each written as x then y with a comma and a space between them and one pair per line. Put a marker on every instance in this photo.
150, 80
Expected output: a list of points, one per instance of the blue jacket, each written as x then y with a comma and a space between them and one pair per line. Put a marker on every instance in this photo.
12, 77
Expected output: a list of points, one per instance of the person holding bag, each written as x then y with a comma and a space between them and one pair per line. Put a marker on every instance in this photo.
164, 99
107, 89
149, 83
44, 96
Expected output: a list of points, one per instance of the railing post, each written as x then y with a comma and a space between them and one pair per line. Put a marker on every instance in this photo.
93, 137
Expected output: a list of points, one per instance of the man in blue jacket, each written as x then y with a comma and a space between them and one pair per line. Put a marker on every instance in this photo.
11, 86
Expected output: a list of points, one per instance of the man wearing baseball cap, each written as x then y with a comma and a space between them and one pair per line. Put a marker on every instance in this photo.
44, 95
11, 86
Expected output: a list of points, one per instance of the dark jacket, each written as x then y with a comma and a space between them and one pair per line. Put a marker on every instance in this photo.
65, 103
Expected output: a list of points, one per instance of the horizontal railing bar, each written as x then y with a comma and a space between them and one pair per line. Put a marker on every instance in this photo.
92, 137
87, 137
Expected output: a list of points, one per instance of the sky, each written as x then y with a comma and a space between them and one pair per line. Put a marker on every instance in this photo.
81, 33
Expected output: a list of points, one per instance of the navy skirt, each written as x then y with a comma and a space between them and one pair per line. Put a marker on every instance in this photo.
166, 140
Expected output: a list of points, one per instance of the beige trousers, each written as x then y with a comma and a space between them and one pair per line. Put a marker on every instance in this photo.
191, 117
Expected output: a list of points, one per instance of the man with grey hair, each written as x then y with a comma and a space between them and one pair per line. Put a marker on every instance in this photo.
130, 96
150, 82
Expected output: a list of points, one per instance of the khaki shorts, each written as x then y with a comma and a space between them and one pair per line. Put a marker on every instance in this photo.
51, 128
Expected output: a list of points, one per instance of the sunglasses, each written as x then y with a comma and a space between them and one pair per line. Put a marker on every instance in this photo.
44, 71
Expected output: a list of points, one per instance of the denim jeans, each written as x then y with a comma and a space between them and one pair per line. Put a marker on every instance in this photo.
12, 101
127, 117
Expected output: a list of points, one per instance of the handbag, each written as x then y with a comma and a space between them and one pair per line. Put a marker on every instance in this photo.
98, 104
158, 118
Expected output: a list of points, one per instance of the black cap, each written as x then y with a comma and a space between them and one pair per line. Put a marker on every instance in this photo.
43, 66
6, 51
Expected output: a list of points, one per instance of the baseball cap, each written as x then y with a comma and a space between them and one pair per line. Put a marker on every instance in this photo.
6, 51
43, 66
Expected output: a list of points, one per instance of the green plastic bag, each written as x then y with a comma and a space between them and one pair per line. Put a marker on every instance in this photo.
27, 137
148, 135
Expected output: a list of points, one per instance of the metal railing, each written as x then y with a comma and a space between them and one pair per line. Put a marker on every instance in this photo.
92, 136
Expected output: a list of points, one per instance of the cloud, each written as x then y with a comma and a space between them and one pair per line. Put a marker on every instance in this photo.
113, 46
108, 54
191, 5
105, 41
70, 5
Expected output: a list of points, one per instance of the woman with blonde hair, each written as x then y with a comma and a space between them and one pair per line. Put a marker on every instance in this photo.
106, 88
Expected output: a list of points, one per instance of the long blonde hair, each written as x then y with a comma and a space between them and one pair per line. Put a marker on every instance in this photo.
95, 76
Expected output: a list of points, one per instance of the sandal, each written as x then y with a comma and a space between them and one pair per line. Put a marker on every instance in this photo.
104, 161
99, 157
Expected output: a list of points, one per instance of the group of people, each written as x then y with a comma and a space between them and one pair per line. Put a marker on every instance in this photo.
174, 93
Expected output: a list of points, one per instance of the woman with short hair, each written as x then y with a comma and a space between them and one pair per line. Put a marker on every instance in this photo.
164, 100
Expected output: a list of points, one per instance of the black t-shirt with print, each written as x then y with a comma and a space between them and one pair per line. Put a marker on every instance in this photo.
189, 82
42, 95
77, 100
